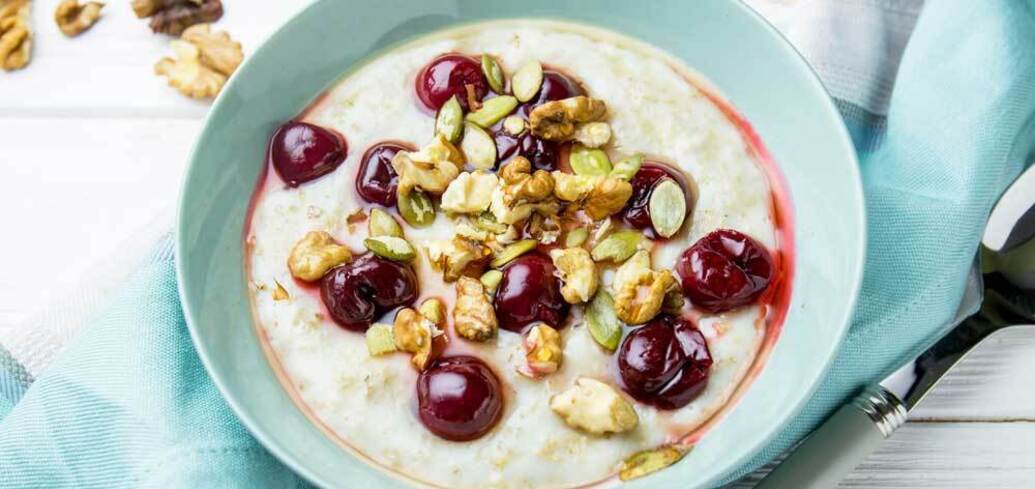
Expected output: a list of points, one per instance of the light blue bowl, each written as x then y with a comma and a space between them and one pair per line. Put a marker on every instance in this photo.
744, 57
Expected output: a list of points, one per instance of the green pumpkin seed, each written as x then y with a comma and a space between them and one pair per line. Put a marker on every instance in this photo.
512, 251
478, 147
617, 247
603, 323
642, 463
488, 222
667, 207
390, 247
526, 81
627, 168
493, 110
491, 280
416, 208
383, 224
589, 162
576, 237
380, 339
514, 125
449, 122
493, 73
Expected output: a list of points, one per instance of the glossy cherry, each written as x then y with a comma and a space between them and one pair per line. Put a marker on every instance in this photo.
459, 398
542, 154
556, 86
376, 181
301, 152
530, 292
636, 212
665, 362
449, 75
724, 270
359, 292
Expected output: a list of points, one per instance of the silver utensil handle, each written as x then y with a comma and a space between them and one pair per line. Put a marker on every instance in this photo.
823, 459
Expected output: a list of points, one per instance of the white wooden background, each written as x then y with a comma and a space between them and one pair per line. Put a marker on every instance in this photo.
93, 146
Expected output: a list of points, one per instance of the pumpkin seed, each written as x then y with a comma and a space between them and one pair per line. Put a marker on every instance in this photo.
667, 207
514, 125
479, 148
493, 73
449, 122
617, 247
645, 462
416, 208
627, 168
512, 251
488, 222
491, 280
390, 247
380, 339
383, 224
576, 237
526, 81
493, 110
433, 310
603, 323
589, 162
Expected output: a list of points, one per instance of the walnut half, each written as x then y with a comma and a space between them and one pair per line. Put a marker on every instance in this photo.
174, 16
556, 120
599, 196
578, 272
204, 60
15, 34
640, 292
73, 18
415, 332
314, 254
594, 407
457, 257
474, 318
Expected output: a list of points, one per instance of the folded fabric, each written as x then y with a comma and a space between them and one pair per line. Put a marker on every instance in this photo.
128, 403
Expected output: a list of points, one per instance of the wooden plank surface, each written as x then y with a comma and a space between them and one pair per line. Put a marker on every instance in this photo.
93, 147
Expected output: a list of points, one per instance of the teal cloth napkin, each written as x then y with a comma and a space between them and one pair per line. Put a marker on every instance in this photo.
128, 403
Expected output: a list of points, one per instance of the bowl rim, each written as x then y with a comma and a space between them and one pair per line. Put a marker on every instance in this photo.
294, 461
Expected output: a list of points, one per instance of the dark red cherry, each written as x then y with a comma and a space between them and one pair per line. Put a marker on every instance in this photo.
358, 293
300, 152
665, 362
542, 154
724, 270
376, 181
636, 212
556, 86
449, 75
530, 292
459, 398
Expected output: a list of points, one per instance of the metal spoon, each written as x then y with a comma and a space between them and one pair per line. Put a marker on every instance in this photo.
845, 439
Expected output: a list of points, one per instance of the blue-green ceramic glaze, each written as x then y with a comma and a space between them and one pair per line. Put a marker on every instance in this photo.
744, 57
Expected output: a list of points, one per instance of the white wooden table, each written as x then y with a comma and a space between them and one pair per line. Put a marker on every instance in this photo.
93, 146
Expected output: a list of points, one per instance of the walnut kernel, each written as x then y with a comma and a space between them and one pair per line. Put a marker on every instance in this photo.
543, 351
599, 196
415, 334
470, 193
578, 272
594, 407
640, 292
15, 34
555, 121
314, 254
174, 16
431, 169
73, 18
458, 256
204, 60
473, 316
